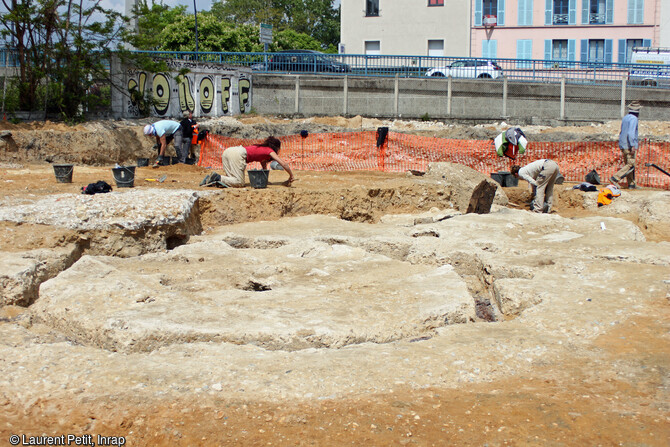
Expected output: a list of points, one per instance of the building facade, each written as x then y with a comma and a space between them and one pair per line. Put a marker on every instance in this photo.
569, 30
407, 27
564, 30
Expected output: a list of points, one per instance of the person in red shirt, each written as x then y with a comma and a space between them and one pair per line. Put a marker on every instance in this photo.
235, 161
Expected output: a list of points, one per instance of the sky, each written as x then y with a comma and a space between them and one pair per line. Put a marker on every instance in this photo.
120, 5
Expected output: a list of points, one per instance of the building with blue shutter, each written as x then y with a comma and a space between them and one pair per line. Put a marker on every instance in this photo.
556, 30
566, 30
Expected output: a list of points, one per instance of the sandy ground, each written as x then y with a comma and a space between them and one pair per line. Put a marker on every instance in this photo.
565, 405
622, 399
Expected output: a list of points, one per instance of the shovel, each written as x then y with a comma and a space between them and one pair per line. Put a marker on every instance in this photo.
660, 169
159, 180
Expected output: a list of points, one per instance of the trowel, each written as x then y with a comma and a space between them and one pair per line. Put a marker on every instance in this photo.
159, 180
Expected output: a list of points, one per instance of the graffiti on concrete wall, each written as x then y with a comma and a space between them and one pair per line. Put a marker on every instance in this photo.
206, 90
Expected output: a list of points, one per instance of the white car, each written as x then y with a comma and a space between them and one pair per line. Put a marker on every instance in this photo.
468, 68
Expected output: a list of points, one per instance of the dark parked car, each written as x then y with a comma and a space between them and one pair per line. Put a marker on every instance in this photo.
306, 61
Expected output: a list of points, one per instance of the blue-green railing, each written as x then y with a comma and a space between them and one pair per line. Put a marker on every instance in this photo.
422, 66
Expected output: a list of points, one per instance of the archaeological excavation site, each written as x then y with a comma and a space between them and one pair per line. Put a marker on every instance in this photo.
369, 307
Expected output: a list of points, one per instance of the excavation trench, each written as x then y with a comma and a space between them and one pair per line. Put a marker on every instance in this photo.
138, 288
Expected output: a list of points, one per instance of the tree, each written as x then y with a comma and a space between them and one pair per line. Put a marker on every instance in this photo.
61, 44
316, 18
151, 23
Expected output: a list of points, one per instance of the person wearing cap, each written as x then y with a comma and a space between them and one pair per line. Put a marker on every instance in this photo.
187, 136
628, 143
542, 175
511, 143
165, 131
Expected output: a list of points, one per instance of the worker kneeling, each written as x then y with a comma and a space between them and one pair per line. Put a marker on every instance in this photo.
542, 175
235, 161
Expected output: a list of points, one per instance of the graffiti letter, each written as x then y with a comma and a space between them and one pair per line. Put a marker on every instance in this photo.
161, 93
245, 88
225, 95
185, 95
206, 95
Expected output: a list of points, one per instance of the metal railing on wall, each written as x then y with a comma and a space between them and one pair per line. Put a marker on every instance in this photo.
534, 70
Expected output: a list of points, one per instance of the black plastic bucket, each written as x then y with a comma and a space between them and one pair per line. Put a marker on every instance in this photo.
142, 162
509, 180
63, 173
498, 178
124, 176
259, 177
505, 179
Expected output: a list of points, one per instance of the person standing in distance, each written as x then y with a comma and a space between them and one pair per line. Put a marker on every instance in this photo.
164, 131
628, 143
542, 175
187, 136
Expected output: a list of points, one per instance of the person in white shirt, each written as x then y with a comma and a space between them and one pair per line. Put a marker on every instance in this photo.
542, 175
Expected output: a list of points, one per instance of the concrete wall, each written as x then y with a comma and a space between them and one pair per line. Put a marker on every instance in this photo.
467, 100
206, 90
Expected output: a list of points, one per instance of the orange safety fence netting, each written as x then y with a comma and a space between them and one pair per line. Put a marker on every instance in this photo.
352, 151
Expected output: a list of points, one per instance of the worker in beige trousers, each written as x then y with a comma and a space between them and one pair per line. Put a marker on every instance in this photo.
542, 175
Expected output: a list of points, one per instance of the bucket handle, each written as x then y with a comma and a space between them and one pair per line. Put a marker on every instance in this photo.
69, 172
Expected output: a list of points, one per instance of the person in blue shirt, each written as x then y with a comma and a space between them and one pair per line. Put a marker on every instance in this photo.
628, 144
165, 131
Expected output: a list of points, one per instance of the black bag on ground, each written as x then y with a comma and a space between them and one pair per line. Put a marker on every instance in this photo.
593, 178
95, 188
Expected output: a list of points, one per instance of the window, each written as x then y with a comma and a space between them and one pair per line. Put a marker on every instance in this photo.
596, 50
597, 11
630, 44
372, 8
561, 10
524, 52
372, 47
525, 13
635, 12
490, 7
494, 8
559, 50
490, 49
626, 48
435, 2
436, 48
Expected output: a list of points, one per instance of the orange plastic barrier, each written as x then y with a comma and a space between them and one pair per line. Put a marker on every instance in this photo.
352, 151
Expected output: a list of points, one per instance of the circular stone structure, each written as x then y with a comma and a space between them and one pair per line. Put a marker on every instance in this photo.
287, 295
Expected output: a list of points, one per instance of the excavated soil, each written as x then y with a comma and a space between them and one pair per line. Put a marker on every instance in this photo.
617, 397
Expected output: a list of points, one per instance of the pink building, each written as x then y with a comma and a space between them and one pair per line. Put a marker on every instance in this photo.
569, 30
